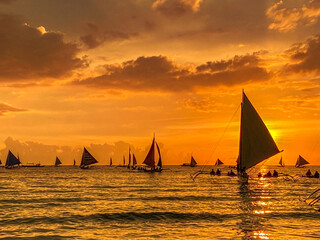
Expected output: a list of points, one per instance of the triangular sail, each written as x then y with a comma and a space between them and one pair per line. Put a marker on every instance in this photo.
193, 162
87, 158
281, 163
58, 162
301, 162
256, 143
124, 160
134, 160
218, 162
160, 160
74, 162
149, 160
110, 161
12, 160
0, 162
129, 158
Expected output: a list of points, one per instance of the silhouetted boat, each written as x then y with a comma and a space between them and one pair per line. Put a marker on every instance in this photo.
218, 162
150, 159
192, 163
124, 162
129, 162
87, 159
58, 162
281, 162
32, 165
134, 161
74, 162
301, 162
256, 142
110, 162
12, 161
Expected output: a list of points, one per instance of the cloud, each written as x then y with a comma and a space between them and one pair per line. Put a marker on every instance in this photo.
175, 8
286, 18
95, 36
305, 57
159, 73
4, 108
6, 1
28, 52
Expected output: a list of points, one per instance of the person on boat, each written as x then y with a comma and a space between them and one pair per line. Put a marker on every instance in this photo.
309, 174
218, 172
212, 172
259, 175
268, 174
316, 174
275, 173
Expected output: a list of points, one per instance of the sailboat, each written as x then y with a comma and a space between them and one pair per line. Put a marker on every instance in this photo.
58, 162
129, 163
12, 161
124, 162
74, 162
150, 158
256, 142
134, 161
301, 162
87, 159
110, 163
218, 162
281, 162
192, 163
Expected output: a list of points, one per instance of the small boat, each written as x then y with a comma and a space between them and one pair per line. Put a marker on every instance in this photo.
87, 159
32, 165
218, 162
58, 162
12, 161
281, 162
74, 162
301, 162
134, 161
192, 163
110, 162
150, 159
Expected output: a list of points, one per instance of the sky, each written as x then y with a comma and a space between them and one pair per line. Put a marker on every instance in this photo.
109, 74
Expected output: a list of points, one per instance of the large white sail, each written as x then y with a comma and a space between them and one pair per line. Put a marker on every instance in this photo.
256, 143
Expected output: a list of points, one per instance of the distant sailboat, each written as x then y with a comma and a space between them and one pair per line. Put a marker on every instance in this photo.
87, 159
12, 161
301, 162
134, 161
110, 163
74, 162
256, 142
129, 163
218, 162
150, 158
281, 162
58, 162
192, 163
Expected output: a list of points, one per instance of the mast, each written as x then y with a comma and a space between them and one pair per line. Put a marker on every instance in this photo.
256, 142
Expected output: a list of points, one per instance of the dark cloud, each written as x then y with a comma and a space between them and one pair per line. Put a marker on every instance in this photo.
6, 1
305, 56
161, 73
95, 36
28, 52
4, 108
175, 8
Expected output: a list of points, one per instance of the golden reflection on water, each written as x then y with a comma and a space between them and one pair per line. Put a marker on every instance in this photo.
260, 235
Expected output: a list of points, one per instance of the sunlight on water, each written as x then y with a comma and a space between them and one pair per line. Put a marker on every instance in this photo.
115, 203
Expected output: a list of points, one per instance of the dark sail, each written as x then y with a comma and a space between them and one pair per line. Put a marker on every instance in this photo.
160, 160
74, 162
219, 162
124, 160
12, 160
256, 143
110, 161
193, 162
129, 158
87, 158
58, 162
0, 162
149, 161
301, 162
134, 160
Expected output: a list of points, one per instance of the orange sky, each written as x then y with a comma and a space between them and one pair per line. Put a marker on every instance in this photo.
107, 74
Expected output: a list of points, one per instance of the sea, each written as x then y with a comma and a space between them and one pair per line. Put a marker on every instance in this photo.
116, 203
